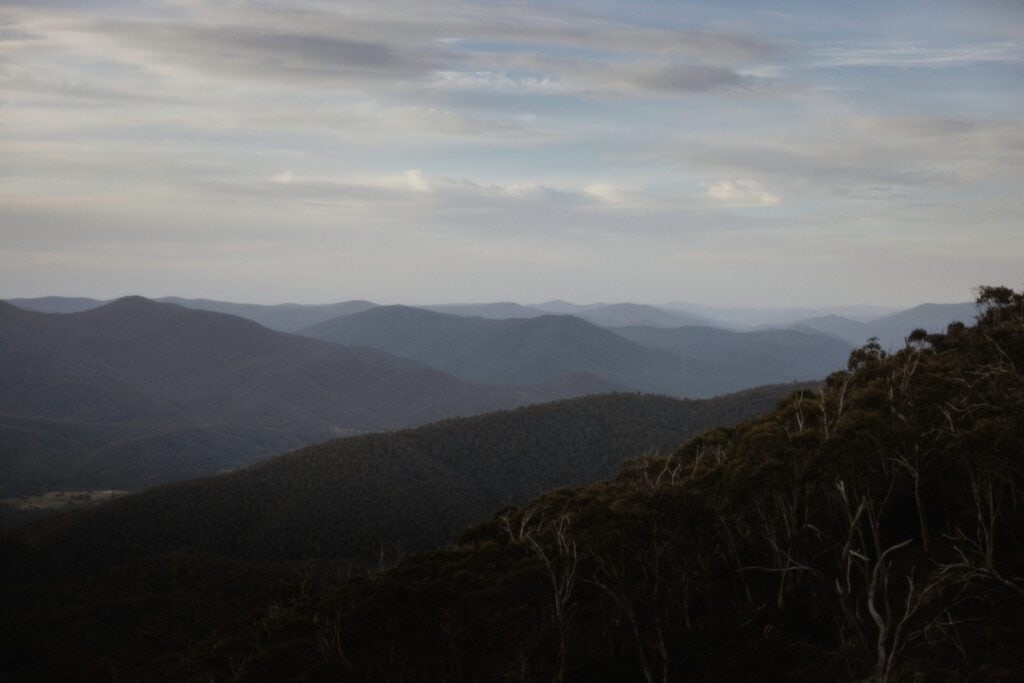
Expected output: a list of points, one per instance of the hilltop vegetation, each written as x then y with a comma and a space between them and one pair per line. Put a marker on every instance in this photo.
871, 531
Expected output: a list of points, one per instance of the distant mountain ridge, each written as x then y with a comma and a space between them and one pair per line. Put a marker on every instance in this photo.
280, 317
891, 330
134, 368
623, 314
852, 323
533, 350
745, 317
513, 351
730, 361
500, 310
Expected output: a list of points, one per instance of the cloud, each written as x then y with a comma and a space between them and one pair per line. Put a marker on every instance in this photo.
463, 25
493, 82
870, 157
414, 185
740, 193
682, 78
241, 51
914, 54
380, 124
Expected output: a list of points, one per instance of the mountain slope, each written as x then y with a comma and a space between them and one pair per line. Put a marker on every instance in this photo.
139, 363
869, 532
623, 314
511, 352
280, 317
689, 361
891, 330
57, 304
411, 489
497, 311
745, 358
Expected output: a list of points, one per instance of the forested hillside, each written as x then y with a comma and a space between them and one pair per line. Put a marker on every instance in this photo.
393, 492
869, 531
135, 393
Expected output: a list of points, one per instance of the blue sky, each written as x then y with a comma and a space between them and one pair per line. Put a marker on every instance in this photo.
805, 155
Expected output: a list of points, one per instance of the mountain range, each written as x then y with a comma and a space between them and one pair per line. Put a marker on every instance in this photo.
868, 528
148, 392
685, 361
280, 317
892, 329
621, 314
728, 361
133, 393
854, 324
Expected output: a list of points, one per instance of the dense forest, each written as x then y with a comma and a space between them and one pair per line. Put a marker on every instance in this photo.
392, 492
869, 530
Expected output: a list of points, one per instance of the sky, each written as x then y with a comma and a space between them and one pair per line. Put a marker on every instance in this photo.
726, 153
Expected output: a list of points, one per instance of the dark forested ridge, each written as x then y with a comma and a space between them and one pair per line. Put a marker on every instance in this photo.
147, 392
871, 531
398, 491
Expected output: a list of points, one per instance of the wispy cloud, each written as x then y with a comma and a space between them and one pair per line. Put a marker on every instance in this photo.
873, 157
246, 52
602, 135
740, 193
912, 54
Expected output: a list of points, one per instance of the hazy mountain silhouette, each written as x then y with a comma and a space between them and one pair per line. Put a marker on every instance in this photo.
689, 361
137, 362
57, 304
281, 317
513, 351
736, 360
623, 314
854, 324
746, 318
498, 311
891, 330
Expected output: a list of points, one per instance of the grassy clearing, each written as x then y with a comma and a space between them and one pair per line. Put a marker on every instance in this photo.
61, 500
